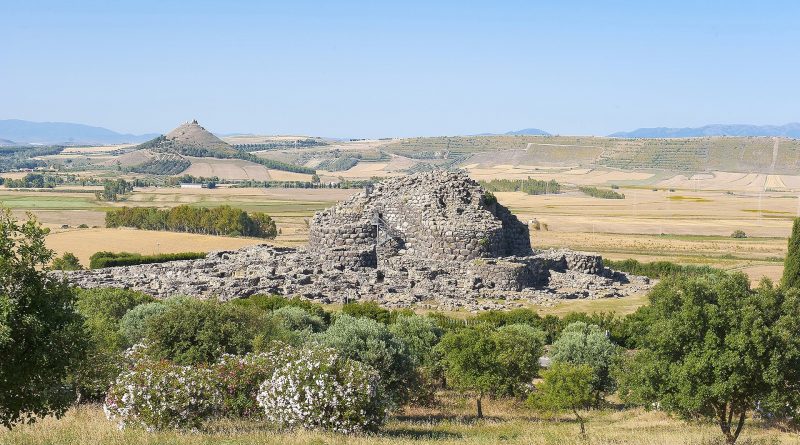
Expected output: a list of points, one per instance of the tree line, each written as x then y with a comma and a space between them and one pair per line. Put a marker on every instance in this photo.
224, 220
530, 186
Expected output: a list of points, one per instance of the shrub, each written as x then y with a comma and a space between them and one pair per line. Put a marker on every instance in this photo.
100, 260
68, 261
239, 379
41, 335
371, 343
193, 331
368, 309
274, 302
133, 323
162, 395
319, 389
297, 319
738, 234
420, 335
587, 344
103, 308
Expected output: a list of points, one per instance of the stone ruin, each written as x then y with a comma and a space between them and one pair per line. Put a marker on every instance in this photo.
435, 240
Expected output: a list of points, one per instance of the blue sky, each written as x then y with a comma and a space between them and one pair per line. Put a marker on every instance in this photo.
379, 69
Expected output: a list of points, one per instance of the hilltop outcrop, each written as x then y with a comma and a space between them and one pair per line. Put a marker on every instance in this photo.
435, 239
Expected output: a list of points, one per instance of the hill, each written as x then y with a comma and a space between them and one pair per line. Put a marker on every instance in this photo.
7, 143
791, 130
50, 133
192, 140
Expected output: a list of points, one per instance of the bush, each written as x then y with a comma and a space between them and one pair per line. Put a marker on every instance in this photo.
587, 344
738, 234
194, 331
791, 265
162, 395
371, 343
100, 260
41, 332
319, 389
68, 261
239, 379
420, 335
274, 302
103, 308
294, 318
133, 323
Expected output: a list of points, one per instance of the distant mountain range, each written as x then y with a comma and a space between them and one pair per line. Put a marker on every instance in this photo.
27, 132
791, 130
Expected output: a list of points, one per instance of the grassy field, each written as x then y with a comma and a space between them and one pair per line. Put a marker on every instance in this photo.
451, 423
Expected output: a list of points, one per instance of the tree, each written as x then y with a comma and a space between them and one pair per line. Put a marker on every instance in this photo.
491, 362
791, 265
68, 261
587, 344
713, 348
41, 333
565, 387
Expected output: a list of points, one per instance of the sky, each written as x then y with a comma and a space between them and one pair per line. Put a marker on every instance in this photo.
400, 68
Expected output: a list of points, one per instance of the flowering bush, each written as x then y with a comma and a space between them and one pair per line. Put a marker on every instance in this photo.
239, 379
162, 395
317, 389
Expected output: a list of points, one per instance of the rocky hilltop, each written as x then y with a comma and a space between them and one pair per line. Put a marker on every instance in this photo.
190, 139
433, 239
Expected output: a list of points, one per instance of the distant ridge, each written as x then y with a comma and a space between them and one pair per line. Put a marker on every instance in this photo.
523, 132
791, 130
7, 143
27, 132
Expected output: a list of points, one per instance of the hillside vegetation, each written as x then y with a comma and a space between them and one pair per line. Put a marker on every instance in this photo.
735, 154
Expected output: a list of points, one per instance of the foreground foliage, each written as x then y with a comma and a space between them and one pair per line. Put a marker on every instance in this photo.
41, 333
713, 348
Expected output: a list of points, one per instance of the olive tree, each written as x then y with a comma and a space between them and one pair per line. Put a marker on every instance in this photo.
713, 348
587, 344
491, 362
41, 333
565, 387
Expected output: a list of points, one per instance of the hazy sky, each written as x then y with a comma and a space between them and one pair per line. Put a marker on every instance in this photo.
402, 68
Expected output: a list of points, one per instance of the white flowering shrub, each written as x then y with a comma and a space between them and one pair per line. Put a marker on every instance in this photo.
315, 388
162, 395
239, 379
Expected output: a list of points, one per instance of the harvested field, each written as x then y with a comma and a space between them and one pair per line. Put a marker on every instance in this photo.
85, 242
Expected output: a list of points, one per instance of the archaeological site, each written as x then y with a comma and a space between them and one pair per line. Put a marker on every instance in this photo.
434, 239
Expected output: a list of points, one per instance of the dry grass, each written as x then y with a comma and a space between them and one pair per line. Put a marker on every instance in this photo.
85, 242
453, 423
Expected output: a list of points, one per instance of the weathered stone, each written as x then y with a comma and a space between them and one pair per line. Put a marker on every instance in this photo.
429, 239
